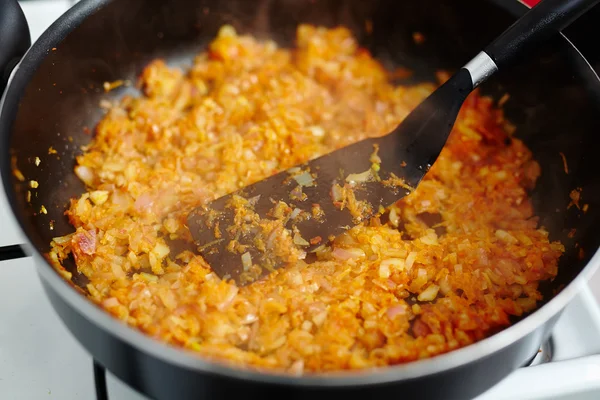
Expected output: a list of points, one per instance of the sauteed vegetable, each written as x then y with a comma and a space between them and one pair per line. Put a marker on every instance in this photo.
447, 266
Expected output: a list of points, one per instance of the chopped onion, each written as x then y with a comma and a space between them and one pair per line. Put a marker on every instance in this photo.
429, 239
396, 263
295, 278
337, 194
297, 368
347, 254
520, 280
506, 237
144, 202
85, 174
296, 193
249, 319
99, 197
317, 131
233, 291
384, 271
160, 250
320, 248
375, 159
271, 239
295, 213
359, 178
527, 303
253, 200
483, 257
304, 179
445, 286
306, 326
121, 199
490, 299
148, 277
63, 239
111, 302
393, 312
394, 217
168, 298
319, 318
429, 294
85, 242
269, 165
299, 240
410, 260
246, 261
117, 270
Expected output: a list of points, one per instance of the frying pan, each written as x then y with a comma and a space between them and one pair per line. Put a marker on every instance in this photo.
52, 101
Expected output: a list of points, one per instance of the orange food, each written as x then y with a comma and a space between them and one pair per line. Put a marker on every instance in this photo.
456, 259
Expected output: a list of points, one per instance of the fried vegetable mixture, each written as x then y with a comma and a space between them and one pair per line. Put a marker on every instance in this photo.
448, 266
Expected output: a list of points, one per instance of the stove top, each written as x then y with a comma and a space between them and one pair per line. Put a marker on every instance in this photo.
40, 359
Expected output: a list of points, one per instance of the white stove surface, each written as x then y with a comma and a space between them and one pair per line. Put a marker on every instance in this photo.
40, 359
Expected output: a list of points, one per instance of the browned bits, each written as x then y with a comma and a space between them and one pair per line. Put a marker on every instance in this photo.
418, 38
15, 170
442, 76
317, 212
18, 174
505, 97
565, 165
218, 233
369, 26
108, 86
315, 240
383, 293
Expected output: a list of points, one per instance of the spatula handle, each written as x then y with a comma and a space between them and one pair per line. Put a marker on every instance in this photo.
536, 26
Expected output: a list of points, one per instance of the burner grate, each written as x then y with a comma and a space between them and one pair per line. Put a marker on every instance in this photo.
100, 381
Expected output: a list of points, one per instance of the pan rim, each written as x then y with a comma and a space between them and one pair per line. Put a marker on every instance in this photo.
185, 359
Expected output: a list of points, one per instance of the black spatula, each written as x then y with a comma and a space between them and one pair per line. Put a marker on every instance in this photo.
249, 233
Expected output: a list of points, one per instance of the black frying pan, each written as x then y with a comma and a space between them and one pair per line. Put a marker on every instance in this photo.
55, 91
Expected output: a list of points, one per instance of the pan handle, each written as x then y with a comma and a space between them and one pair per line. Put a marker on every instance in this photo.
14, 38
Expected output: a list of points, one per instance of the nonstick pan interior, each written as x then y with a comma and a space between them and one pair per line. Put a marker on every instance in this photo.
553, 96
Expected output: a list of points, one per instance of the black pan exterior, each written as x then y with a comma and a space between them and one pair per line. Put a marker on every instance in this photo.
53, 98
162, 380
15, 38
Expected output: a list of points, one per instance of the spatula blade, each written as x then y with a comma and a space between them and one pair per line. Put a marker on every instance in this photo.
247, 234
